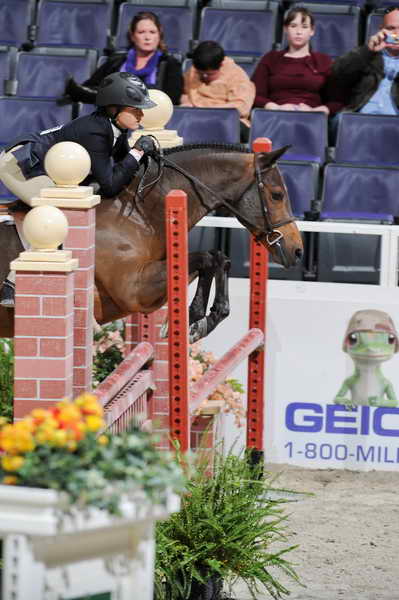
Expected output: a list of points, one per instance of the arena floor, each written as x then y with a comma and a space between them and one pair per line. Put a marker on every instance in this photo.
348, 533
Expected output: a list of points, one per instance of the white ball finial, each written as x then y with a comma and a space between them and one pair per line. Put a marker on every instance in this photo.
159, 115
45, 227
67, 163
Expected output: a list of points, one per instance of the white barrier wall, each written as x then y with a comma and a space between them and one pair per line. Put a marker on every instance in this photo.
306, 366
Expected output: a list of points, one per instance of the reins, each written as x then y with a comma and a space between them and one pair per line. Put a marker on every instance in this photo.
273, 235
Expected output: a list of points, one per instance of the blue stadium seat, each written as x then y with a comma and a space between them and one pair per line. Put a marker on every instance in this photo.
26, 115
305, 131
7, 67
16, 17
43, 72
337, 28
360, 192
302, 181
85, 109
206, 125
367, 139
241, 30
177, 18
374, 21
74, 23
360, 3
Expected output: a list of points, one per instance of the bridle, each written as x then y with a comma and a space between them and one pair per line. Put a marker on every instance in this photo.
271, 233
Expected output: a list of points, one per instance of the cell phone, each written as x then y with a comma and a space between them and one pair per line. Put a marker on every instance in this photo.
391, 39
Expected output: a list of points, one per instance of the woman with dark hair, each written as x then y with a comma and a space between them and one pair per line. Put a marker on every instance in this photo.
146, 58
295, 78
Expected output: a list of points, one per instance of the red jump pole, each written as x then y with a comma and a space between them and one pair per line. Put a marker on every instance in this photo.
177, 272
259, 270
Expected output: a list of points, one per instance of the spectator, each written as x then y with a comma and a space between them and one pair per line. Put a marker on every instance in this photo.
368, 76
295, 78
147, 58
216, 81
121, 100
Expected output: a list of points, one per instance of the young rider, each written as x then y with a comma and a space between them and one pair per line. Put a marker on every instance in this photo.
121, 99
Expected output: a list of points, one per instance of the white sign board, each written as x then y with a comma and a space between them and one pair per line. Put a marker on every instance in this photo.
307, 367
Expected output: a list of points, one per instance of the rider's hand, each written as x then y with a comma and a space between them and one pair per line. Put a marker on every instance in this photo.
146, 144
377, 41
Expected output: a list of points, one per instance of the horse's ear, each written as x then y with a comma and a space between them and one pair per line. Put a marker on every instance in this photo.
267, 159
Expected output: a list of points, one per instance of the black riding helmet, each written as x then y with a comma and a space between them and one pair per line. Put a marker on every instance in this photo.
123, 89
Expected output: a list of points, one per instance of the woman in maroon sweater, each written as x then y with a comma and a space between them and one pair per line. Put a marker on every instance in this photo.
295, 78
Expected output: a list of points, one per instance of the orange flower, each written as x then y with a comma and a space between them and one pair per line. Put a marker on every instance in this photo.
10, 480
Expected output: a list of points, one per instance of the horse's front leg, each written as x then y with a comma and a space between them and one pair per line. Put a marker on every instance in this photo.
221, 306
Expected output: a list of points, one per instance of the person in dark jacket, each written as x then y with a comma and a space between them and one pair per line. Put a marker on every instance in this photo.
295, 78
121, 99
368, 77
147, 58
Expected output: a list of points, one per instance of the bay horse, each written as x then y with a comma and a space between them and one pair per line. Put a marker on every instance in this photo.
130, 273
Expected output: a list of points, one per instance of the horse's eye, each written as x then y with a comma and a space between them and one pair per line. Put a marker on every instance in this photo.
352, 339
391, 339
277, 196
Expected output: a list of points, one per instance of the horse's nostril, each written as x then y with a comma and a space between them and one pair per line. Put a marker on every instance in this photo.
298, 254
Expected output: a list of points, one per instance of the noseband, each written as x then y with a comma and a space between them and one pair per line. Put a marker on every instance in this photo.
273, 236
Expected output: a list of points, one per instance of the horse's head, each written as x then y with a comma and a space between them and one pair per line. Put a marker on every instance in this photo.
266, 205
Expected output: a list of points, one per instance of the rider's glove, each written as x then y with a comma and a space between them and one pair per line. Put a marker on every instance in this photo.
146, 144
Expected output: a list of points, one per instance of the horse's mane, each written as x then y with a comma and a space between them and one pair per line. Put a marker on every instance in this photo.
213, 147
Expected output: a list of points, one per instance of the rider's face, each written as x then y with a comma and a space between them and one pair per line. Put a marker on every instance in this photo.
129, 117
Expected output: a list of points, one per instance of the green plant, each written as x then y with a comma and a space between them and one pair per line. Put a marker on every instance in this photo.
63, 449
224, 530
6, 378
107, 350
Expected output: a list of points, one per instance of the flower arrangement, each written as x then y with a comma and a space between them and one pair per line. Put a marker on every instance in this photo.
230, 391
63, 448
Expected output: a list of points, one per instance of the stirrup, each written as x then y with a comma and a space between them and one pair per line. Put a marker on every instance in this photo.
7, 294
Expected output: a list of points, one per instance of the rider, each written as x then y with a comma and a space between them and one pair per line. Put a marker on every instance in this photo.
121, 99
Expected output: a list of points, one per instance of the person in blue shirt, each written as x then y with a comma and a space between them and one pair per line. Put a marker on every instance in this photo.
367, 77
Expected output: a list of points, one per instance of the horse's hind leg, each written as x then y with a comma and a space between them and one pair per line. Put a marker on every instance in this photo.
220, 308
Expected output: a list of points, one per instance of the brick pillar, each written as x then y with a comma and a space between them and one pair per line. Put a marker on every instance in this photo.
43, 329
78, 204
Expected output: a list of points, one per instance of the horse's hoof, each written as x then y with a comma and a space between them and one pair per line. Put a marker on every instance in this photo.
163, 333
198, 330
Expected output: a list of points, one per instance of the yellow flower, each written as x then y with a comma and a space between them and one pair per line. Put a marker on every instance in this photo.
68, 414
103, 440
89, 405
40, 415
60, 437
71, 445
10, 480
94, 423
12, 463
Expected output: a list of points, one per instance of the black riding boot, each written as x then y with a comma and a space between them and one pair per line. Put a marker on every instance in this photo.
7, 294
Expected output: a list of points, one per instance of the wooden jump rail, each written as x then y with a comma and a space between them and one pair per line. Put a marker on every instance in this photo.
124, 392
183, 402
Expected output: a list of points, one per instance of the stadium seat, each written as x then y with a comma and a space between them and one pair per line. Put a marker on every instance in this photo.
367, 139
7, 67
306, 132
374, 21
74, 23
302, 181
360, 192
16, 17
177, 18
241, 30
360, 3
26, 115
337, 28
43, 72
206, 125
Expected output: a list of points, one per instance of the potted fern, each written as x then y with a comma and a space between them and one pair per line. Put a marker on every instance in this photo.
225, 531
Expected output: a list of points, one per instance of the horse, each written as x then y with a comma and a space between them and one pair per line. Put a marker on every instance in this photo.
130, 271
